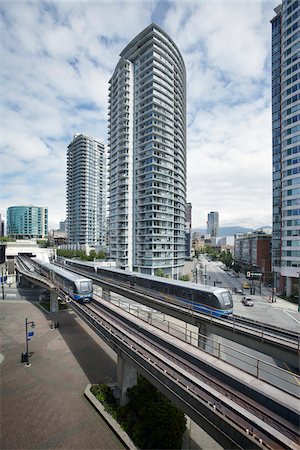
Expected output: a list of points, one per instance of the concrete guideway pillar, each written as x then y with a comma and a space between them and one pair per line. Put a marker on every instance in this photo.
53, 301
106, 294
288, 286
207, 341
18, 278
126, 378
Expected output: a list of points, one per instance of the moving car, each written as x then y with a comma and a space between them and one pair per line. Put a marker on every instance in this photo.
246, 285
247, 301
238, 291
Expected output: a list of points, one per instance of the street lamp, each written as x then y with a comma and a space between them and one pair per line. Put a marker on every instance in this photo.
28, 336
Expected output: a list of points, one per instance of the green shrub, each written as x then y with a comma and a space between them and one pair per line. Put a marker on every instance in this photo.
149, 418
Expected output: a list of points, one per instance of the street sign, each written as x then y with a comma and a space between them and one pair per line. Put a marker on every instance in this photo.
30, 334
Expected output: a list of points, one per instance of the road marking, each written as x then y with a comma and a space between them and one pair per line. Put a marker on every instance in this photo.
292, 373
291, 316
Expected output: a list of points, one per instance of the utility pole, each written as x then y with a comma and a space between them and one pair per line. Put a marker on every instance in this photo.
2, 262
2, 282
299, 295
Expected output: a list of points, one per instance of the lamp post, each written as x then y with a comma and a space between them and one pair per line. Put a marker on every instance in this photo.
27, 339
299, 293
2, 282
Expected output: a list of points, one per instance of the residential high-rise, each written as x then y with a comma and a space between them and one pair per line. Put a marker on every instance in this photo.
286, 145
26, 222
86, 191
213, 225
147, 149
1, 226
62, 225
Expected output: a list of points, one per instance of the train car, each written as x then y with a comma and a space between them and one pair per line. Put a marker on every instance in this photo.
75, 286
208, 299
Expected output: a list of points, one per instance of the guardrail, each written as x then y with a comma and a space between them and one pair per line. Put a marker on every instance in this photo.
262, 370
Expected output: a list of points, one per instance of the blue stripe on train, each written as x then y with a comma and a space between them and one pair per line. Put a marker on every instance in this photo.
81, 297
207, 309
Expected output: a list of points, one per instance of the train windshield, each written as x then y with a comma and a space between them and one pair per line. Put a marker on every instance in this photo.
227, 298
85, 286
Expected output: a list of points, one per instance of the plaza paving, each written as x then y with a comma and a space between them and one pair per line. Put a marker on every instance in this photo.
43, 406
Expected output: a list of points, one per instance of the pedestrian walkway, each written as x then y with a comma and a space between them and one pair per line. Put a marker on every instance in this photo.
43, 406
283, 304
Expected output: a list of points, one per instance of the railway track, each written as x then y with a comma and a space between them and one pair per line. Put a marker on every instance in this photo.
267, 428
262, 330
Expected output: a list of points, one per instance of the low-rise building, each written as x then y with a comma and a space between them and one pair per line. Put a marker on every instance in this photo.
254, 250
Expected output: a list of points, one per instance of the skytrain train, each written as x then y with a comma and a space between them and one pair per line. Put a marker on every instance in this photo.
75, 286
211, 300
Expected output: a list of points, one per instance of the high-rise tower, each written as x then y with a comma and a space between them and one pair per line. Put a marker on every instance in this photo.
147, 149
286, 145
213, 225
86, 191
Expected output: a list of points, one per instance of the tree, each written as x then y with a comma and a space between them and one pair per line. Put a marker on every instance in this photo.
153, 421
160, 273
184, 278
226, 258
236, 267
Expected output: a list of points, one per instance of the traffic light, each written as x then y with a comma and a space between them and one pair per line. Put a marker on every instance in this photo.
2, 253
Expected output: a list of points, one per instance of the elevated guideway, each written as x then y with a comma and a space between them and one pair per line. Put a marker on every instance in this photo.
235, 417
238, 410
264, 338
26, 269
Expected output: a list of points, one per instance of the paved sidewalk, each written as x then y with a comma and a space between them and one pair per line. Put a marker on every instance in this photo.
281, 303
43, 406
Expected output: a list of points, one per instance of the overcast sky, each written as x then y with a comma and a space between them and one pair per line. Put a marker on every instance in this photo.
56, 61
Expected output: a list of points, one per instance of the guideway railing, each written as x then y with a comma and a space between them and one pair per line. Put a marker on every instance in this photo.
262, 370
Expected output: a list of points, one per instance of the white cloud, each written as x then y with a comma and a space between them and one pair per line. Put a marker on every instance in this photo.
57, 59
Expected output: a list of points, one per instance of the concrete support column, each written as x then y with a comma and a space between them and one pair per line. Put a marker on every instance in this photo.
126, 378
195, 437
106, 294
53, 301
18, 278
288, 286
202, 335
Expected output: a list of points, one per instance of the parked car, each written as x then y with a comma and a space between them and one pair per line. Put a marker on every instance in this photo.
246, 285
247, 301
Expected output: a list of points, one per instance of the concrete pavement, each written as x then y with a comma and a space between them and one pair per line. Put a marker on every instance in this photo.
43, 406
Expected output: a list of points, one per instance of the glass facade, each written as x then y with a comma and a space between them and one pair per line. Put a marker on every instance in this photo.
213, 224
86, 191
286, 138
147, 150
26, 222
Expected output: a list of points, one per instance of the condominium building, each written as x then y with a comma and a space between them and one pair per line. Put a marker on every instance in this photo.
1, 226
213, 225
286, 145
26, 222
86, 191
147, 150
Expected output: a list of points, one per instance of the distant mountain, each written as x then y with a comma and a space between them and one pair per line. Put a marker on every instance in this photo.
225, 231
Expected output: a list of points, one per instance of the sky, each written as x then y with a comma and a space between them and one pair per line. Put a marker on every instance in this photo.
56, 61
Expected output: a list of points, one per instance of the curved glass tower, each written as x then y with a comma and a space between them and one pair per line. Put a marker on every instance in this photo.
26, 222
147, 150
286, 145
